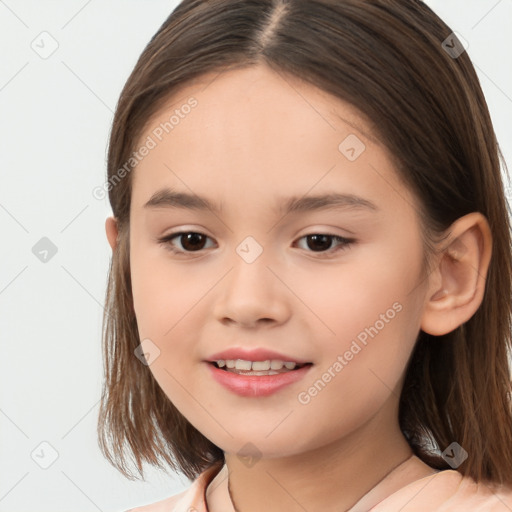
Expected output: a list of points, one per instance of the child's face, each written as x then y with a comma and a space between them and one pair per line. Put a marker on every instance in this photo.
252, 141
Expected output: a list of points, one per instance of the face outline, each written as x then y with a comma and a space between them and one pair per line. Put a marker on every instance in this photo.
290, 298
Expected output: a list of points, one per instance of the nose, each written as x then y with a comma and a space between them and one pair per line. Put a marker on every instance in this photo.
252, 294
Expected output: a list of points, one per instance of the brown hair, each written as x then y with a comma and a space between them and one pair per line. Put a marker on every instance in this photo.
386, 58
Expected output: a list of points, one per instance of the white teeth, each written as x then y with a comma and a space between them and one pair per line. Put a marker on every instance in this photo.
242, 364
253, 373
261, 365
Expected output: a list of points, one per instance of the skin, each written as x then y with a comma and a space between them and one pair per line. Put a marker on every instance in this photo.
253, 138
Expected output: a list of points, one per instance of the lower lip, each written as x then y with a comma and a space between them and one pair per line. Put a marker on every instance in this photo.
251, 385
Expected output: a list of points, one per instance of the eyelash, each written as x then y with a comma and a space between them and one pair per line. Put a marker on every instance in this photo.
345, 242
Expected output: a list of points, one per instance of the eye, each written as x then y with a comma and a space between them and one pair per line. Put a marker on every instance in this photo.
320, 241
192, 241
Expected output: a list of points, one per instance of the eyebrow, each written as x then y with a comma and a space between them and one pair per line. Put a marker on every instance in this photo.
167, 198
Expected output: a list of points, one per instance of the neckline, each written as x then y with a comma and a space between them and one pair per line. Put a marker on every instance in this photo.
364, 504
375, 507
367, 496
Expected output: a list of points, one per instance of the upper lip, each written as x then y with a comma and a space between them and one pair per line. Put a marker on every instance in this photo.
255, 354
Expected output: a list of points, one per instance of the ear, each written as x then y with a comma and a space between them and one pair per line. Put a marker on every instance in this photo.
112, 231
457, 285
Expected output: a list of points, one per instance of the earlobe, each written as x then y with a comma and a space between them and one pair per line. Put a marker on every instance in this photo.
457, 285
112, 231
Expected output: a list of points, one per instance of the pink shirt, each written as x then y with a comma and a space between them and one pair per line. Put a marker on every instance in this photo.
444, 491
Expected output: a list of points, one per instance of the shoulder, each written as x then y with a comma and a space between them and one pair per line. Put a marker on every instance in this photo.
166, 505
448, 491
482, 496
192, 498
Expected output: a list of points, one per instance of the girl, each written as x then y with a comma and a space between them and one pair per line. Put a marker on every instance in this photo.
309, 301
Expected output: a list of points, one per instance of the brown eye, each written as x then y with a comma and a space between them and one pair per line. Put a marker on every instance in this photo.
190, 241
322, 242
319, 242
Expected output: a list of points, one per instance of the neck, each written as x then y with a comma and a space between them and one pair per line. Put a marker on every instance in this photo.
332, 477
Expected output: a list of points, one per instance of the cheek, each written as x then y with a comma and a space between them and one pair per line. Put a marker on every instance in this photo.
354, 295
163, 293
164, 297
370, 317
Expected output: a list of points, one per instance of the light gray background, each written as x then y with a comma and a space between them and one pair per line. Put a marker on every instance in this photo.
55, 116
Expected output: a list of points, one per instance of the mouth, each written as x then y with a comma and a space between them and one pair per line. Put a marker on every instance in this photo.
257, 368
257, 378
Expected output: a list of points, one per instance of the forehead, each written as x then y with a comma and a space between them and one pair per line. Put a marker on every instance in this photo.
259, 86
257, 133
